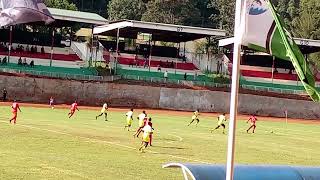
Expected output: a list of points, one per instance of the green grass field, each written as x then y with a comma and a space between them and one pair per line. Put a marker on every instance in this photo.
45, 144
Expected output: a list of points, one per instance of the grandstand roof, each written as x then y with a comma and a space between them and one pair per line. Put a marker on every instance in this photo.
307, 46
159, 31
67, 16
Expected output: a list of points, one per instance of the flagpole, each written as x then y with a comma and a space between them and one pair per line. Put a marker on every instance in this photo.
234, 93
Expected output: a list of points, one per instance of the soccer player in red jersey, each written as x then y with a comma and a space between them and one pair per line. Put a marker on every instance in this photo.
15, 107
252, 120
73, 108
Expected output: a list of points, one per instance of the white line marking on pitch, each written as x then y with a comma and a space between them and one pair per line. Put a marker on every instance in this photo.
108, 142
179, 137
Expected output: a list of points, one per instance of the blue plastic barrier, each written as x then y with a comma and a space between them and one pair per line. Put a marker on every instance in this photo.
247, 172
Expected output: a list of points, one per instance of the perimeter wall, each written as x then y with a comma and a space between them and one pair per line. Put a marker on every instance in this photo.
39, 90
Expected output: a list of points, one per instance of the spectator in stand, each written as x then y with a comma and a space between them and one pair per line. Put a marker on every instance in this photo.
218, 67
35, 49
4, 61
159, 68
20, 61
25, 62
167, 64
185, 76
135, 61
275, 70
28, 48
6, 48
145, 64
290, 71
165, 75
42, 50
172, 65
32, 63
4, 94
184, 59
32, 49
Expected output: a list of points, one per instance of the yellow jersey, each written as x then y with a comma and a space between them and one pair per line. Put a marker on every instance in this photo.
147, 130
195, 115
141, 119
221, 118
104, 108
129, 115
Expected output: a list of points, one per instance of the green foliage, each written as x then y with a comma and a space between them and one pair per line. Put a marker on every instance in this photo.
61, 4
126, 9
225, 14
306, 24
182, 12
95, 6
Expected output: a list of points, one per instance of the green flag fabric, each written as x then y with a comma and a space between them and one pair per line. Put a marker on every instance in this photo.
263, 30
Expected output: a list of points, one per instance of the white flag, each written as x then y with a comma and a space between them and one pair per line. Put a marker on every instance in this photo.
263, 30
14, 12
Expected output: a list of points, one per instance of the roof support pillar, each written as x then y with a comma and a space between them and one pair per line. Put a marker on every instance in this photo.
52, 44
10, 43
150, 52
117, 51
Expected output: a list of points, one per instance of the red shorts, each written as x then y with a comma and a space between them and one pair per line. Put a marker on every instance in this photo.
72, 111
14, 115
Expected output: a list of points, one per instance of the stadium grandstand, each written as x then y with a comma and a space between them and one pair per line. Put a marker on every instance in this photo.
47, 51
260, 71
137, 50
147, 58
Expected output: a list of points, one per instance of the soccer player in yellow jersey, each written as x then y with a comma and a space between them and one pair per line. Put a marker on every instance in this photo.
141, 119
195, 117
221, 120
147, 131
129, 119
104, 111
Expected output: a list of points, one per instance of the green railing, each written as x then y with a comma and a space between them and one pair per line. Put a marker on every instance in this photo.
52, 74
212, 84
173, 81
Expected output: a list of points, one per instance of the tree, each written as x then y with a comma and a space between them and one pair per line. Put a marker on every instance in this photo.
95, 6
307, 24
225, 11
126, 9
61, 4
181, 12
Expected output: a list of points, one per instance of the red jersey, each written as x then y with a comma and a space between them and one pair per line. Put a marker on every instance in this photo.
147, 122
15, 107
253, 120
74, 106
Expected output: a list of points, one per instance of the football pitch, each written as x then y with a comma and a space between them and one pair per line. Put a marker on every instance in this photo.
45, 144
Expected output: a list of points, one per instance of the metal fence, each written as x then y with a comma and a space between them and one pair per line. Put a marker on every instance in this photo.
54, 74
273, 89
173, 81
150, 79
212, 84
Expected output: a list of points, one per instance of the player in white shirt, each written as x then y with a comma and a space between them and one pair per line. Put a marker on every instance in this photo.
129, 118
104, 110
147, 131
141, 118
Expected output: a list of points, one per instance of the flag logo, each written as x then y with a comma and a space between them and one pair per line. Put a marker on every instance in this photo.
256, 8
